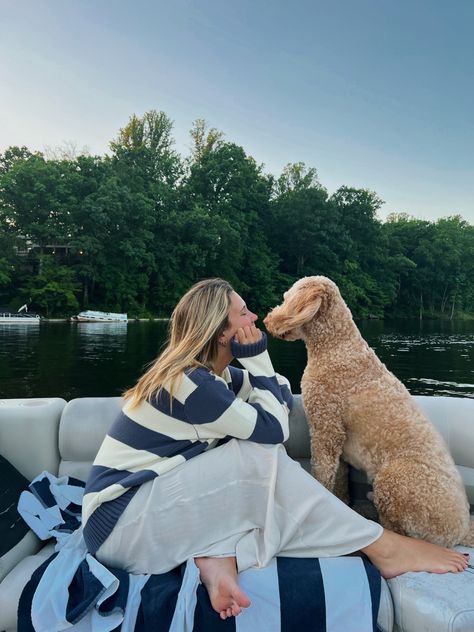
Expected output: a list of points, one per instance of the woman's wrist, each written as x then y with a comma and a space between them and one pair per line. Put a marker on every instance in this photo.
248, 350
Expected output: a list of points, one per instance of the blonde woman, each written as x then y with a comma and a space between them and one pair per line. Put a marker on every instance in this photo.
194, 466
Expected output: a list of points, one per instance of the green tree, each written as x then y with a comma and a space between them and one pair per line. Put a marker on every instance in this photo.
53, 289
451, 246
144, 149
204, 139
6, 270
35, 199
7, 262
234, 193
142, 200
367, 276
437, 280
304, 228
13, 155
296, 177
90, 222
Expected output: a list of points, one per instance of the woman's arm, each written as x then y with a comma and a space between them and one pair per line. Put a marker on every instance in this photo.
216, 412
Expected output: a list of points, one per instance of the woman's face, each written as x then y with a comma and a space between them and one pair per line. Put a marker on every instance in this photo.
239, 316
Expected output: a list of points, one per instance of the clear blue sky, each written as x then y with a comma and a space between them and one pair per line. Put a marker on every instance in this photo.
373, 93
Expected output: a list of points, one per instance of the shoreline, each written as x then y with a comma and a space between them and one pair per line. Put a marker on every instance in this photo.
129, 320
107, 322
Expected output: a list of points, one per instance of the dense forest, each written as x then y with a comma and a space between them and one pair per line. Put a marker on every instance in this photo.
132, 230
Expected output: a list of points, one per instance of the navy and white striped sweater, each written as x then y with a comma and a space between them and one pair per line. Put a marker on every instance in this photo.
154, 437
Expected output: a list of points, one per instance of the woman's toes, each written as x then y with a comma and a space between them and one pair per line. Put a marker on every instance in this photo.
242, 601
236, 610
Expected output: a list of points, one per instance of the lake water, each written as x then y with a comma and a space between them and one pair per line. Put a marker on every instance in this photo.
100, 359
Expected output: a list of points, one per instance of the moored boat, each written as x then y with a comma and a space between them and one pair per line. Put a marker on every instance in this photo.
6, 316
91, 316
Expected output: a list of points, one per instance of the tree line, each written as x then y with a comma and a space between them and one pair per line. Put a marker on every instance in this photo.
134, 229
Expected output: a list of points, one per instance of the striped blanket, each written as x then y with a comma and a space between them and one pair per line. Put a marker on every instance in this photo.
73, 591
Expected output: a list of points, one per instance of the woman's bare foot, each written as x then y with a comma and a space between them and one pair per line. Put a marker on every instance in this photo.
394, 554
219, 576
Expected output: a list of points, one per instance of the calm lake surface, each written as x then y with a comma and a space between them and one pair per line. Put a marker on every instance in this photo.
97, 359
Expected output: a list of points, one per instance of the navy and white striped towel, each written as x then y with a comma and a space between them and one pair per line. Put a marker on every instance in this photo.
52, 508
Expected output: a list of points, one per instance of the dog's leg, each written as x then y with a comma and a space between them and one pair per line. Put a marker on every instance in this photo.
324, 415
341, 483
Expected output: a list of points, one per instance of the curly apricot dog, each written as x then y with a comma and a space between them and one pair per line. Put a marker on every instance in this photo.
359, 410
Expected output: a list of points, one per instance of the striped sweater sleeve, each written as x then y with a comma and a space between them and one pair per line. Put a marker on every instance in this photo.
216, 412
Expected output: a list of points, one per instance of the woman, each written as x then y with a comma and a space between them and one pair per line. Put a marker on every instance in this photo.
194, 466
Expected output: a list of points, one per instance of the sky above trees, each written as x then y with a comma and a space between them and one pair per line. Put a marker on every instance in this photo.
373, 94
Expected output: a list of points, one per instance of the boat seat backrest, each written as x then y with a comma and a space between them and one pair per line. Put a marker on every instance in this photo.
50, 434
84, 423
454, 419
29, 434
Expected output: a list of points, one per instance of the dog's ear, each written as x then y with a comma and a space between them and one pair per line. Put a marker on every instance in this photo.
304, 305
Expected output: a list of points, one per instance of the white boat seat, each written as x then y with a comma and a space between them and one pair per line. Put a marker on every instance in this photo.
63, 438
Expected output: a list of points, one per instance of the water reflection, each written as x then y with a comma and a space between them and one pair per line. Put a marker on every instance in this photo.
100, 340
17, 358
101, 329
17, 329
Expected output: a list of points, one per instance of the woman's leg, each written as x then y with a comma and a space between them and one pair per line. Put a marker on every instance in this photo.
301, 517
391, 553
305, 520
249, 501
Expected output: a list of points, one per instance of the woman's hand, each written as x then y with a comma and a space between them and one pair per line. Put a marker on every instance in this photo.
248, 335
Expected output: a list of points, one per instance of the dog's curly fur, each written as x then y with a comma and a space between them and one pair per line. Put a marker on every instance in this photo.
358, 410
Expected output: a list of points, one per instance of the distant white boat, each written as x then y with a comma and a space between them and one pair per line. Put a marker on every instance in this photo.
90, 316
18, 317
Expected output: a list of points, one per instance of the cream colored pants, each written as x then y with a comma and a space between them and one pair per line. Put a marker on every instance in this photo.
244, 499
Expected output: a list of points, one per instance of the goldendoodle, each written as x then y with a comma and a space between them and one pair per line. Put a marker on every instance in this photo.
358, 410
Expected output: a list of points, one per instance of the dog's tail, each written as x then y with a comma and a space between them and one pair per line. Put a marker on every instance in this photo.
468, 539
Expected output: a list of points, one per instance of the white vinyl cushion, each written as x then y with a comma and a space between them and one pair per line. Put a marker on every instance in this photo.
426, 602
29, 434
423, 602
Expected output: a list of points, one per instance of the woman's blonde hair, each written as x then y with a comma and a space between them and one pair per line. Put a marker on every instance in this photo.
196, 323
